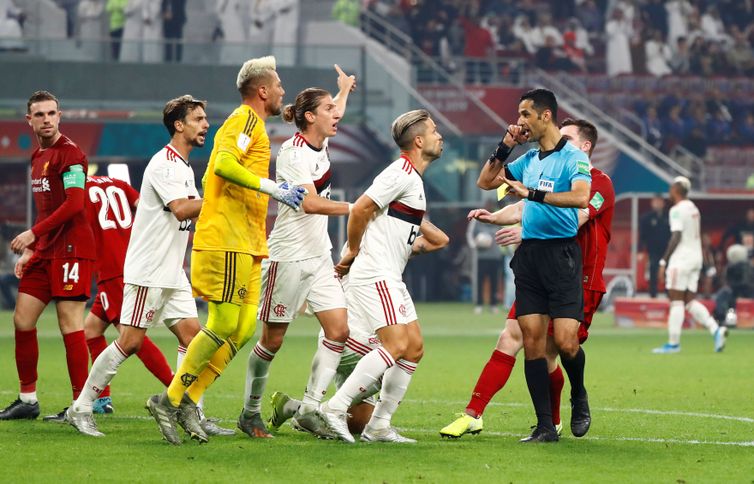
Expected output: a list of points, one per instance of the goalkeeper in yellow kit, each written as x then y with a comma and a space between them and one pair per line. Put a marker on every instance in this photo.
230, 241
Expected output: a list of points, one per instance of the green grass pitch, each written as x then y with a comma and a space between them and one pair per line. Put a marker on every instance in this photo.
656, 418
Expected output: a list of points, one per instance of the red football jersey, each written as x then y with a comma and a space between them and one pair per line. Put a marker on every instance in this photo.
594, 235
110, 210
73, 238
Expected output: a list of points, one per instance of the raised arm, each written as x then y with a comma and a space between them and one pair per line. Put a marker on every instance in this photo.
490, 177
346, 85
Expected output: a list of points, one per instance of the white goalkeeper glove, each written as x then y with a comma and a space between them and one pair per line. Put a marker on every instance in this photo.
291, 195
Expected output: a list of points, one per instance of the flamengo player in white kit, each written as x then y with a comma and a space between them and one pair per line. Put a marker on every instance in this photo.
300, 268
156, 287
680, 268
383, 226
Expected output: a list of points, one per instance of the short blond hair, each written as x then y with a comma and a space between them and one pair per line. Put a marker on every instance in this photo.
253, 72
407, 126
683, 183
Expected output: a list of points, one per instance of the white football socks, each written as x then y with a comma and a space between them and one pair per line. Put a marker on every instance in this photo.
394, 386
101, 374
675, 322
369, 370
324, 365
702, 316
256, 377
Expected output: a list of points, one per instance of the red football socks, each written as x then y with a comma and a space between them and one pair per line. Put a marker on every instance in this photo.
556, 388
27, 356
494, 377
155, 361
77, 357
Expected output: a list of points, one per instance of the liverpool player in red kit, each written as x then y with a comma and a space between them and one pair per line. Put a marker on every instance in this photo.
110, 212
594, 234
57, 255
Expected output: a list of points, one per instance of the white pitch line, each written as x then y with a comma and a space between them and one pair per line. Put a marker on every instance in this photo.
647, 411
620, 439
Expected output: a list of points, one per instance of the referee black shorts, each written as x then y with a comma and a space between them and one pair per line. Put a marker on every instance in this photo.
548, 278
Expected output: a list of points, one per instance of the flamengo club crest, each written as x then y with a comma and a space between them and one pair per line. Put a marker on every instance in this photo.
150, 315
279, 310
402, 310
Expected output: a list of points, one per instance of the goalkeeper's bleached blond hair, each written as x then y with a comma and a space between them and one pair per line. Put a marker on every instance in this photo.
253, 72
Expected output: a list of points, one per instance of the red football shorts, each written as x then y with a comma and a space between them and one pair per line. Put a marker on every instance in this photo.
592, 301
109, 300
64, 279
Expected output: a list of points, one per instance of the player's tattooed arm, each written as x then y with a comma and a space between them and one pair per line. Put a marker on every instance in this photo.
431, 239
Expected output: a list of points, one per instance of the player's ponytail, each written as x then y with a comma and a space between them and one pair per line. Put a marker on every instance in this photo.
307, 100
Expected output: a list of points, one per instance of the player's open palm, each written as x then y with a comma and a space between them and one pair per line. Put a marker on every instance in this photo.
291, 195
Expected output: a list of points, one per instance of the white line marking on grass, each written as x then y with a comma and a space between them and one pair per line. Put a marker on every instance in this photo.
647, 411
613, 439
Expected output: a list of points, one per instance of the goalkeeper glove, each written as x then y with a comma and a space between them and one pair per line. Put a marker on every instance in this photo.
291, 195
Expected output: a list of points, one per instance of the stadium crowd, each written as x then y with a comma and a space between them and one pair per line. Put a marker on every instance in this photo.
641, 41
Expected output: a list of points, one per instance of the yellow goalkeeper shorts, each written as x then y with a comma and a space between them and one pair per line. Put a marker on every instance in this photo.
231, 277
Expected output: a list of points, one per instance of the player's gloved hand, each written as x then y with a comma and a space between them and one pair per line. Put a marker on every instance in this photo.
291, 195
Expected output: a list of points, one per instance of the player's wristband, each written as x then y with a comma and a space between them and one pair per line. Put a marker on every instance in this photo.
536, 195
501, 153
267, 186
662, 263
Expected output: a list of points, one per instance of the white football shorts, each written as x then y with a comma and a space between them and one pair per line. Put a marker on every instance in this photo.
145, 307
286, 286
380, 304
682, 278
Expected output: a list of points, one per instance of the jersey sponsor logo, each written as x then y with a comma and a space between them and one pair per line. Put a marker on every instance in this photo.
40, 185
68, 287
597, 201
583, 167
546, 185
243, 141
279, 310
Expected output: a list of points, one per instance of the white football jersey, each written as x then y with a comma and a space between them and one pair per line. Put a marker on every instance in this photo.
684, 218
158, 240
298, 235
399, 193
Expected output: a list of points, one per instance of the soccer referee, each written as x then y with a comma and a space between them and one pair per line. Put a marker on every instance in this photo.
554, 180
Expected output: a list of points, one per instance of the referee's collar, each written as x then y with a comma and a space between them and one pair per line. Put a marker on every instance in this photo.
558, 147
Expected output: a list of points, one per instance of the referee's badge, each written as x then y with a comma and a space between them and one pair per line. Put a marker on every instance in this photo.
546, 185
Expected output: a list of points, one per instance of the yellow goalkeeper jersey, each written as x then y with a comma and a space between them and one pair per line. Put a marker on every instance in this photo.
233, 218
